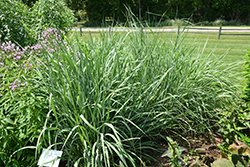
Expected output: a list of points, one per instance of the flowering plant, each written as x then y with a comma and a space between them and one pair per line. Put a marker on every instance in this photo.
23, 98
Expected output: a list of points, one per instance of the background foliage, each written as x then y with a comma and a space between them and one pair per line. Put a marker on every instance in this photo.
153, 10
246, 95
197, 10
21, 25
13, 16
51, 14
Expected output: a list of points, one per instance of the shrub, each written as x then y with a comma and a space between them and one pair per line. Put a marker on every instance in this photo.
246, 90
22, 25
14, 16
219, 22
52, 14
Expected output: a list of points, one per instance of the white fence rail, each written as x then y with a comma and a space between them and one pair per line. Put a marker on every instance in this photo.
198, 30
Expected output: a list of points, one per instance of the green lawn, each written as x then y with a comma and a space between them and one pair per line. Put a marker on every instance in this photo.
235, 45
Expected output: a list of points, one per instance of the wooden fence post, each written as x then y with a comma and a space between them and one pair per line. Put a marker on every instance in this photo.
80, 30
178, 31
109, 31
219, 32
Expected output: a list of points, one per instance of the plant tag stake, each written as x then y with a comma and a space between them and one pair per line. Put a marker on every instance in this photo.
50, 158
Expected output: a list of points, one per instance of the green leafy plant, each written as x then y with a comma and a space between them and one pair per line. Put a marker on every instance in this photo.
232, 122
13, 19
22, 25
246, 91
244, 138
23, 103
238, 155
174, 153
51, 14
222, 162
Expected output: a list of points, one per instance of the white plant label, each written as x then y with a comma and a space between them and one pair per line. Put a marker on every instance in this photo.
50, 158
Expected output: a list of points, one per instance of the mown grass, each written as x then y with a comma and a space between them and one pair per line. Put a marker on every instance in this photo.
233, 47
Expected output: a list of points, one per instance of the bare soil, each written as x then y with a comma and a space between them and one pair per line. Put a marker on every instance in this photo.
207, 157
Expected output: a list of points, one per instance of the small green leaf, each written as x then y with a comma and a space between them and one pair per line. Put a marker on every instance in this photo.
200, 150
241, 163
182, 149
121, 164
167, 153
196, 163
223, 162
8, 120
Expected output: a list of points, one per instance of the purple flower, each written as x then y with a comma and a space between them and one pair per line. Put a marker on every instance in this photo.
12, 87
52, 50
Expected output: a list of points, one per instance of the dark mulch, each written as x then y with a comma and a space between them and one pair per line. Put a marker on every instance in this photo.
212, 152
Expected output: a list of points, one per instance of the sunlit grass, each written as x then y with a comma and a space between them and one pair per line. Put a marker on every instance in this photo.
233, 46
236, 46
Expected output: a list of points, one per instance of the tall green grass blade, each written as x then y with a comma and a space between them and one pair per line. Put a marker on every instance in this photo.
113, 97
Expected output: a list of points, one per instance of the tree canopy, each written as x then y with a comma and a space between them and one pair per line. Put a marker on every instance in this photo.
196, 10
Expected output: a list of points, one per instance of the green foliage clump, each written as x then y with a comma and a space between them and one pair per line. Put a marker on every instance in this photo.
246, 93
22, 25
23, 103
14, 16
51, 14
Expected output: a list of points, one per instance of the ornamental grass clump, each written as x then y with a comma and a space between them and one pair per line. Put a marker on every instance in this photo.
113, 98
